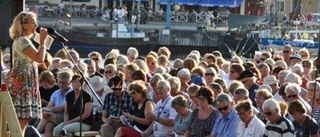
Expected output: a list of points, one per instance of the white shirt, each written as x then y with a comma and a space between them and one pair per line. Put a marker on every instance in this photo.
255, 128
164, 110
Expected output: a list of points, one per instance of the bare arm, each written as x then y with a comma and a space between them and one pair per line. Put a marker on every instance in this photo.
166, 121
148, 108
37, 55
65, 113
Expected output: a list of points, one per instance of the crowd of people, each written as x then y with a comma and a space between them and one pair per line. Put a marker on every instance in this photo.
133, 95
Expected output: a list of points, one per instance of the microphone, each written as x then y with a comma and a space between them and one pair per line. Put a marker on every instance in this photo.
53, 32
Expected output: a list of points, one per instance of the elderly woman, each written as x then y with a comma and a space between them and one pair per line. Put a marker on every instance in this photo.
138, 92
110, 71
261, 96
305, 126
307, 68
184, 76
175, 87
71, 116
203, 118
192, 92
295, 78
313, 94
209, 75
292, 91
234, 72
182, 119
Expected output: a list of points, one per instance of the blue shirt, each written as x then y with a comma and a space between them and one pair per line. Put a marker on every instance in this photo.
58, 98
226, 126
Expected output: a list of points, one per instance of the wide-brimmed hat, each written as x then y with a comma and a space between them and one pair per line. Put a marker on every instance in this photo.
269, 80
296, 56
97, 83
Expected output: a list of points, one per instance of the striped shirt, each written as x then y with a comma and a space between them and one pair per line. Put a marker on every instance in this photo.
316, 115
282, 128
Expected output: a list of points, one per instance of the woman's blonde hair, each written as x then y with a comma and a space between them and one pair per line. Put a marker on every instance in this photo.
16, 30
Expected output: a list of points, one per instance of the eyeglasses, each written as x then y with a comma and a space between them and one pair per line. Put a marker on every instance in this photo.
285, 51
63, 82
95, 59
268, 113
209, 74
106, 72
133, 92
224, 108
292, 96
116, 89
245, 81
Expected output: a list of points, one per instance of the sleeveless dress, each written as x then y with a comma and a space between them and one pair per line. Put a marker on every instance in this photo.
140, 113
23, 81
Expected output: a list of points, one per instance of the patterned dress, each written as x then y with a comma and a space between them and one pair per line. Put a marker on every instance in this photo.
202, 127
23, 82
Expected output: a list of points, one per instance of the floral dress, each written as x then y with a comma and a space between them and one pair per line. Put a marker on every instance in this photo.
23, 81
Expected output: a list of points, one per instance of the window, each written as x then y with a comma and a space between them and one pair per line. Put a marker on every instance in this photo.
280, 6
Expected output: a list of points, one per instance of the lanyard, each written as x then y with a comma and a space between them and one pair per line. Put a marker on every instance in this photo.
162, 106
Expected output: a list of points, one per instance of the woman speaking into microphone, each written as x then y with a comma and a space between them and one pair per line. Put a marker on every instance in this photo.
23, 79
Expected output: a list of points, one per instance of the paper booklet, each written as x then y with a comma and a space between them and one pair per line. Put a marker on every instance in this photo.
47, 42
125, 121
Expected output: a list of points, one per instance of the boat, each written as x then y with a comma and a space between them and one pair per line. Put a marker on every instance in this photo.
296, 38
103, 39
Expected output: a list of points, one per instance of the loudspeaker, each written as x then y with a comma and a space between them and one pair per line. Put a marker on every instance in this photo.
11, 8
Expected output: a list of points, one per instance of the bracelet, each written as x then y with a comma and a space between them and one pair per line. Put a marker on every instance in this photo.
42, 46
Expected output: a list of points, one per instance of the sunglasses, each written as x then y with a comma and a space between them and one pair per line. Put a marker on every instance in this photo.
231, 71
245, 81
262, 59
268, 113
95, 59
285, 51
116, 88
224, 108
234, 61
8, 61
108, 72
209, 74
292, 96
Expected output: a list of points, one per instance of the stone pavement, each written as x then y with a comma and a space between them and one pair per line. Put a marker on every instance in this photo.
97, 21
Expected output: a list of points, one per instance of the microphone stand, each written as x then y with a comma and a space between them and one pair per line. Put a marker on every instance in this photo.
316, 80
86, 81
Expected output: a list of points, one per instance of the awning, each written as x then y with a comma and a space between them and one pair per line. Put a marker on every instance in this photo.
185, 2
128, 0
220, 3
180, 2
